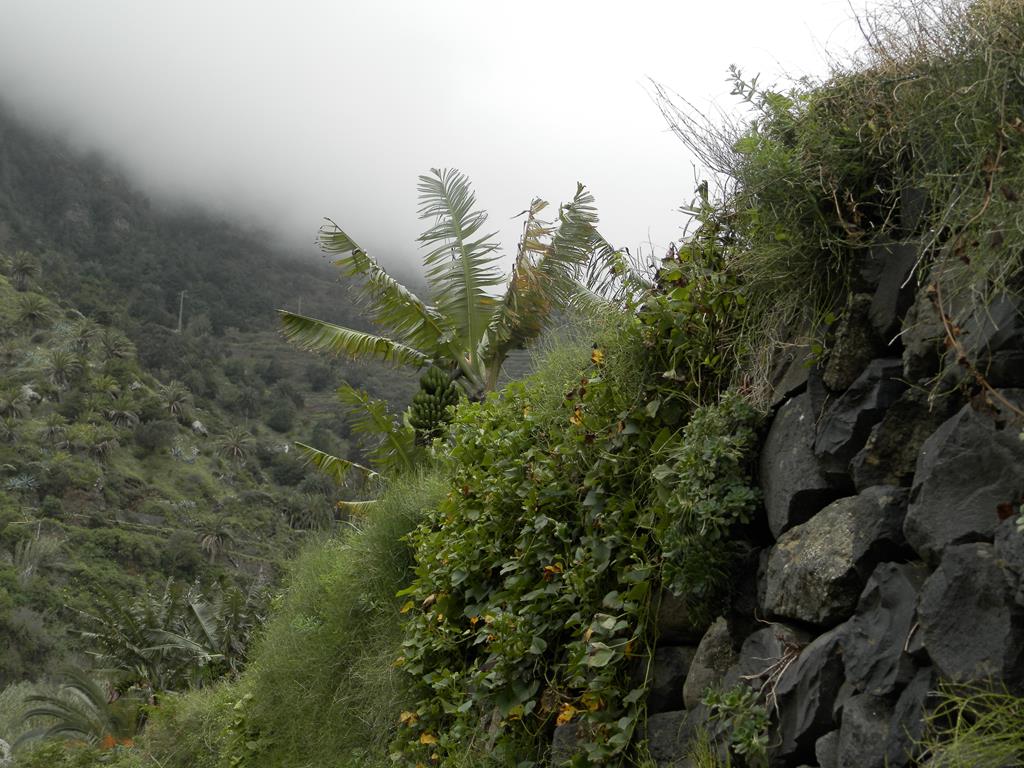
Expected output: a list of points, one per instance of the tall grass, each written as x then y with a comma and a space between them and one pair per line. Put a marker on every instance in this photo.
321, 689
975, 727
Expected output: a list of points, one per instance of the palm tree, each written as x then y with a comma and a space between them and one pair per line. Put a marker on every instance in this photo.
12, 404
83, 333
466, 329
122, 418
33, 311
54, 430
115, 344
62, 367
176, 398
235, 444
107, 385
84, 710
23, 268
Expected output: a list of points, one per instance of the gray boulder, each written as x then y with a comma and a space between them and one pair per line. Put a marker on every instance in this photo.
669, 669
826, 749
890, 454
846, 424
873, 646
990, 328
970, 622
675, 624
668, 736
892, 264
966, 471
816, 571
564, 743
922, 334
791, 369
806, 692
907, 725
762, 652
794, 487
715, 654
854, 345
1009, 549
864, 732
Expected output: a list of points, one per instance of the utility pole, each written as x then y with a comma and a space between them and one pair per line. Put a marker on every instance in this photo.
181, 308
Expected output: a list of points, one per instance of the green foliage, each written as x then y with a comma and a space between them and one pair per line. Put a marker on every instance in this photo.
974, 726
174, 638
327, 651
430, 410
928, 117
746, 720
536, 576
465, 328
84, 710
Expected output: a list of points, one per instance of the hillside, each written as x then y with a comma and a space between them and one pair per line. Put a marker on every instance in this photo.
761, 507
115, 473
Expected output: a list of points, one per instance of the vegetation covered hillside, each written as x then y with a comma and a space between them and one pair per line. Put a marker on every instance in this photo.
787, 458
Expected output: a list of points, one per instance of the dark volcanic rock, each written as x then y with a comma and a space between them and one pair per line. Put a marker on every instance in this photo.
675, 625
564, 743
988, 329
816, 571
1009, 548
966, 470
669, 669
715, 654
890, 454
791, 371
854, 345
922, 335
1005, 369
806, 693
793, 486
762, 650
863, 732
876, 635
892, 298
969, 619
907, 725
668, 734
826, 749
846, 424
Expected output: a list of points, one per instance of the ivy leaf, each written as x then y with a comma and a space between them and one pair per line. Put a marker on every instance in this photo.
598, 655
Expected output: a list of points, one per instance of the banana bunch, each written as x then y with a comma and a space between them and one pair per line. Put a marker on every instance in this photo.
429, 410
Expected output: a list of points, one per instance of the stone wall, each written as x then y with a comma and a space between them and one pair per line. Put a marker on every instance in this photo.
894, 559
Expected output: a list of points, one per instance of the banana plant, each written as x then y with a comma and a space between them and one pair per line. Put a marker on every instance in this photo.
470, 325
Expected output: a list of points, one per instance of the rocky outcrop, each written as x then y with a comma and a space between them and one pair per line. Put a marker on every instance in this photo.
816, 571
893, 558
791, 479
970, 621
967, 471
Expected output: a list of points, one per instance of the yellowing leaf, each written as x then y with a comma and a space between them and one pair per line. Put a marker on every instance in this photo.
428, 738
408, 718
409, 605
597, 356
577, 415
565, 714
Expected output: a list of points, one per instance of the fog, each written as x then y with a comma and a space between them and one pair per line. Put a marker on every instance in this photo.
286, 111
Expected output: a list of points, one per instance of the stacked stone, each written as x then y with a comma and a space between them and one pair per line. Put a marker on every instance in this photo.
894, 559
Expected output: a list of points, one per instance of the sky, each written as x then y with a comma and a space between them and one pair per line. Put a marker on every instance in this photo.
283, 112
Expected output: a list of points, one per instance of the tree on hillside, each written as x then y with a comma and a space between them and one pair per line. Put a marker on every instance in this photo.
23, 268
33, 311
467, 328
